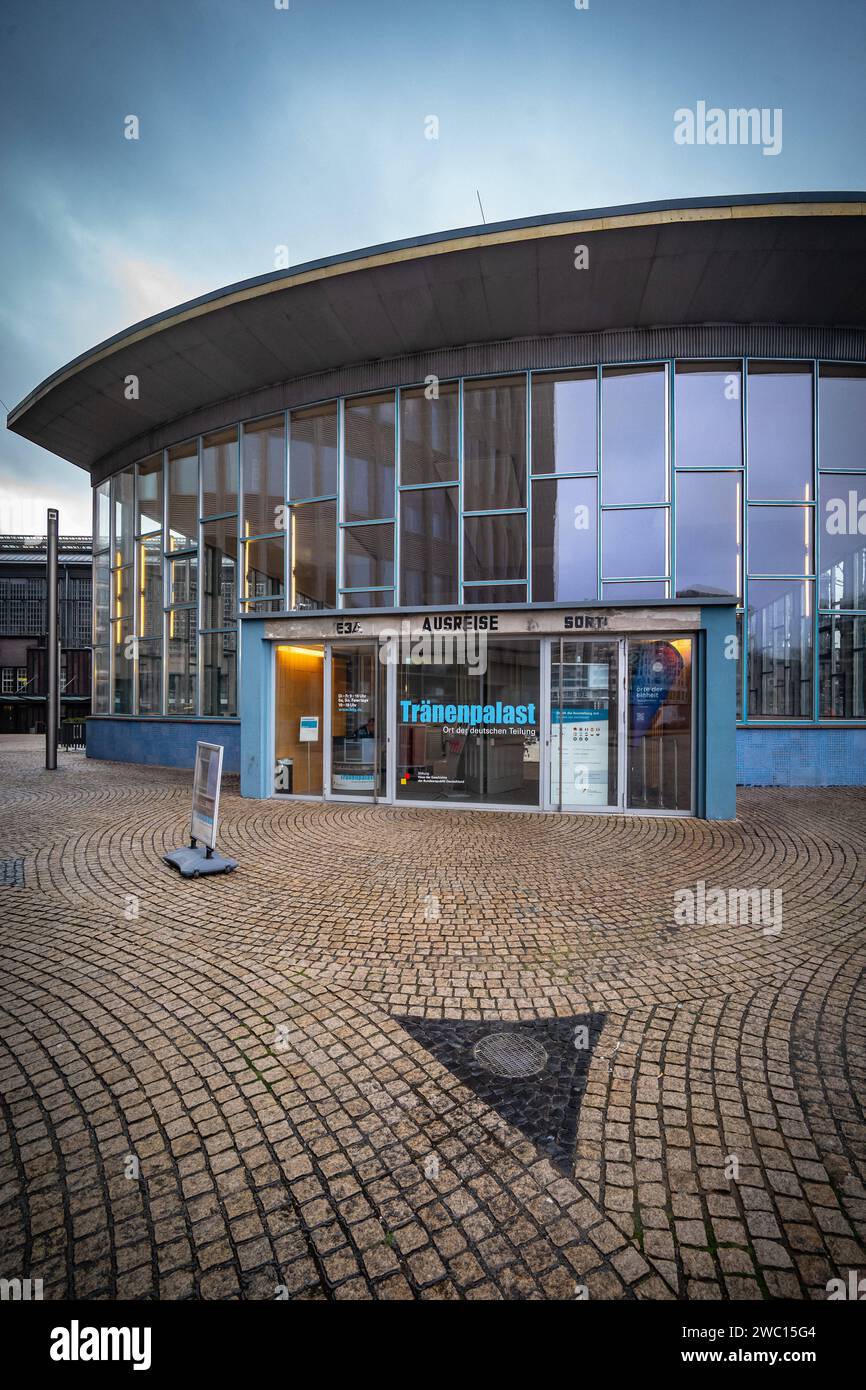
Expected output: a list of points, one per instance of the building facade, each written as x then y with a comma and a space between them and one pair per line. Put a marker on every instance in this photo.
23, 628
527, 515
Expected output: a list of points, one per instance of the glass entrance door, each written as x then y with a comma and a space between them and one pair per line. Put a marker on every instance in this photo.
660, 724
358, 734
584, 725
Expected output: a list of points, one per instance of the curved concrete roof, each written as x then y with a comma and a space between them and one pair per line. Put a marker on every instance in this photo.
786, 258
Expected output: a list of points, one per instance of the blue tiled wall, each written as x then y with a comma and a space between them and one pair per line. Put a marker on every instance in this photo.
164, 743
801, 757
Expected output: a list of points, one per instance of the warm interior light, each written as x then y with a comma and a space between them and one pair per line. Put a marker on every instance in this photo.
305, 651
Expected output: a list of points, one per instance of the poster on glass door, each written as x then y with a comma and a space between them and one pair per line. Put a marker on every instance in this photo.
583, 735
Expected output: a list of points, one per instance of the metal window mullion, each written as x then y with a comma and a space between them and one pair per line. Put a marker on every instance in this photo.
670, 446
744, 708
341, 501
395, 549
816, 559
166, 592
460, 490
527, 484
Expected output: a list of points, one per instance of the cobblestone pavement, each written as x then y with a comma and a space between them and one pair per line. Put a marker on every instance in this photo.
240, 1041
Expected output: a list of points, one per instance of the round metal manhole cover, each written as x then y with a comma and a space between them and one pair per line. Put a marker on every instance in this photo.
510, 1054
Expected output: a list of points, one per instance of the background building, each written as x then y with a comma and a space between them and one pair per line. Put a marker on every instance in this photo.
655, 405
23, 626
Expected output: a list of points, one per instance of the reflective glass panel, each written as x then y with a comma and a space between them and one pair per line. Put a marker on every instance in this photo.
842, 539
149, 495
842, 416
780, 649
263, 567
101, 680
123, 492
428, 546
263, 464
150, 676
102, 516
314, 555
101, 600
181, 673
219, 692
219, 472
660, 724
369, 598
564, 539
124, 666
313, 451
780, 540
150, 596
368, 474
429, 427
183, 496
709, 509
634, 543
219, 559
634, 588
779, 423
368, 556
842, 666
494, 443
358, 719
633, 445
564, 426
494, 547
708, 415
492, 594
183, 579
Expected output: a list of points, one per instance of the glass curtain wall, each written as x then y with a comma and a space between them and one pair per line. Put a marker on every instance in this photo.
691, 478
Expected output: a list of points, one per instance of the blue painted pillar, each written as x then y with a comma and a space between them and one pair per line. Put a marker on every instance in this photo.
717, 715
256, 709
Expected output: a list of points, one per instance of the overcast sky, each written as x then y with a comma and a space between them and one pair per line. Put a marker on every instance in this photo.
306, 127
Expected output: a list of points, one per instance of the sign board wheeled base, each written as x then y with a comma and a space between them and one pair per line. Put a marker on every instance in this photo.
196, 859
199, 856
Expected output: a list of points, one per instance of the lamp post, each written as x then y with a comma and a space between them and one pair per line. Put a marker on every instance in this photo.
52, 701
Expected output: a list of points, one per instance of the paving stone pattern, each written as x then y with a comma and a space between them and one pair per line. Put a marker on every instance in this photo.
235, 1087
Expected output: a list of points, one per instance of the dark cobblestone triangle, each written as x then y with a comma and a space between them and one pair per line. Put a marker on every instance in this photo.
545, 1106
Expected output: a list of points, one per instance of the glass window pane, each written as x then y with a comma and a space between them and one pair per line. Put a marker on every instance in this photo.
358, 720
368, 477
429, 434
634, 543
181, 661
842, 542
183, 496
313, 451
564, 409
708, 411
470, 735
123, 493
564, 539
220, 572
633, 447
101, 600
150, 597
150, 677
124, 666
102, 516
780, 649
842, 415
101, 679
584, 728
183, 579
491, 594
660, 724
219, 674
263, 470
494, 547
375, 598
494, 443
779, 422
635, 588
263, 568
314, 555
122, 596
219, 472
780, 540
428, 546
709, 508
149, 495
842, 667
368, 556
